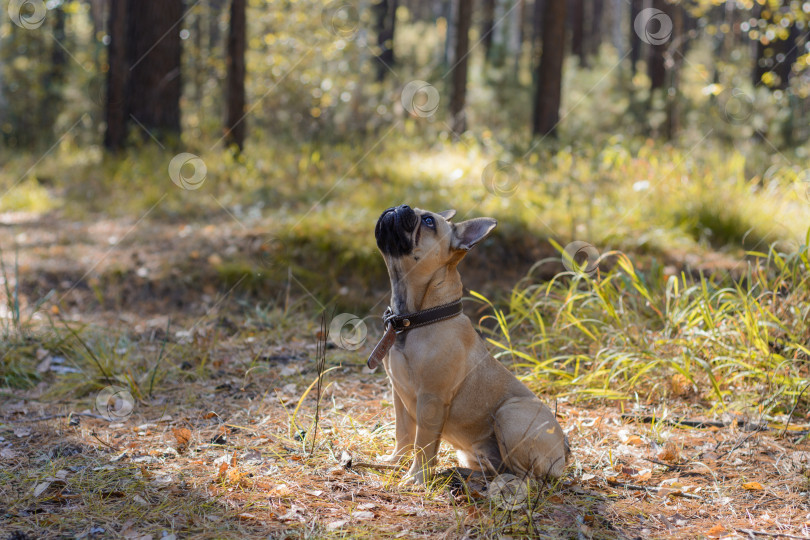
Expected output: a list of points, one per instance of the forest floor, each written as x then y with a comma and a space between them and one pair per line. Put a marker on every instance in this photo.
211, 441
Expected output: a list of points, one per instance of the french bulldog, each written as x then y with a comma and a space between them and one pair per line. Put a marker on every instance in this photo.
445, 384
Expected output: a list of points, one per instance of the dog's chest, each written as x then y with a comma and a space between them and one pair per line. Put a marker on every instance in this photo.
401, 373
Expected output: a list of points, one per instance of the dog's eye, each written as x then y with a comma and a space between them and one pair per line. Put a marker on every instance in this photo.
427, 220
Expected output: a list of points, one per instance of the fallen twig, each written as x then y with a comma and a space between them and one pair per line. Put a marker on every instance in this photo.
670, 466
61, 415
682, 422
382, 466
636, 487
752, 532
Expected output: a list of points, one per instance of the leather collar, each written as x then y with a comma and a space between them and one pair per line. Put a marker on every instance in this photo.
408, 321
397, 324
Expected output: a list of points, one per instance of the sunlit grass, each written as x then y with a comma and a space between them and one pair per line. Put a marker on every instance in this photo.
621, 333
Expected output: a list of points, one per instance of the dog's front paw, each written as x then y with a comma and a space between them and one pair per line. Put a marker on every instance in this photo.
413, 478
394, 458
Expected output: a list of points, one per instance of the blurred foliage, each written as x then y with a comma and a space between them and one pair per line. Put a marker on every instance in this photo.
311, 75
328, 143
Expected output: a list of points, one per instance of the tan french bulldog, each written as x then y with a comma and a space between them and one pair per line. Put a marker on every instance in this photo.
445, 384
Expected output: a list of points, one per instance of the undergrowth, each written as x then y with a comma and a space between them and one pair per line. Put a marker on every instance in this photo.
619, 333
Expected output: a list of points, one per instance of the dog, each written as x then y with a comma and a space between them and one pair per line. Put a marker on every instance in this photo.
445, 384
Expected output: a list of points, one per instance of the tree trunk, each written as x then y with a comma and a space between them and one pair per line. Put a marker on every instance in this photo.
58, 54
153, 54
635, 39
617, 15
656, 68
789, 52
674, 60
386, 24
235, 125
458, 98
54, 78
515, 38
449, 8
549, 72
577, 17
115, 105
595, 39
487, 26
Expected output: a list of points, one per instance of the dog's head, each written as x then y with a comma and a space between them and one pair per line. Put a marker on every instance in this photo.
421, 242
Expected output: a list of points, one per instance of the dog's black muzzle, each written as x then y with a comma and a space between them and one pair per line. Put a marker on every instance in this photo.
393, 230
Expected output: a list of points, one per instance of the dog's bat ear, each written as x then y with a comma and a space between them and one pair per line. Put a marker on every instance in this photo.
447, 214
470, 232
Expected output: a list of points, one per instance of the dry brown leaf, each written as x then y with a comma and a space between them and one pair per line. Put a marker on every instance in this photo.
234, 475
223, 468
680, 386
753, 486
182, 436
635, 440
718, 531
669, 452
281, 490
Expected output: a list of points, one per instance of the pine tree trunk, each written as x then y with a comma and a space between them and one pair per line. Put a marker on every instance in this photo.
674, 61
635, 40
549, 72
235, 123
458, 98
577, 18
115, 106
487, 26
656, 68
153, 54
386, 25
597, 11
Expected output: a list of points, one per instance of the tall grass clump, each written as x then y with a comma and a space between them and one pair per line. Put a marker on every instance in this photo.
622, 333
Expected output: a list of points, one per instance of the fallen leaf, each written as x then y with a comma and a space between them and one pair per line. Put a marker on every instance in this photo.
293, 514
182, 436
669, 453
234, 475
281, 490
336, 524
363, 515
223, 467
345, 459
753, 486
635, 440
8, 453
40, 488
718, 531
22, 432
